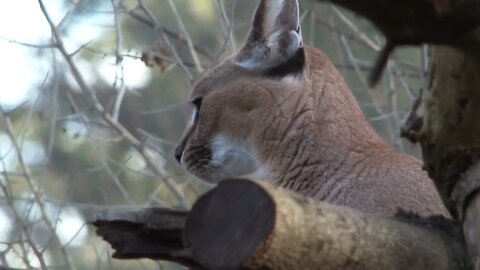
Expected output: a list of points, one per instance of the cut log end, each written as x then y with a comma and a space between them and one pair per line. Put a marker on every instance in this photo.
228, 224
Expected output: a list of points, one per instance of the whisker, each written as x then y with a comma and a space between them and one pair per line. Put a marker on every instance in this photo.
224, 166
236, 148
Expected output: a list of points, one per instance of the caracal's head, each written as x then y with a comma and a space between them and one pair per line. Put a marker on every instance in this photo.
235, 103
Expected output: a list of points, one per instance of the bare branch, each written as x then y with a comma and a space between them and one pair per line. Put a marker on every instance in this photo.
37, 46
106, 116
35, 192
186, 35
171, 34
119, 83
166, 40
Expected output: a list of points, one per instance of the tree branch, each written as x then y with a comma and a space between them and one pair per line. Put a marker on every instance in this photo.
413, 22
243, 224
421, 21
90, 93
449, 133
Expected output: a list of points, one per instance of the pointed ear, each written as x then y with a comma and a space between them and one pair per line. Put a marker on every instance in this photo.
275, 37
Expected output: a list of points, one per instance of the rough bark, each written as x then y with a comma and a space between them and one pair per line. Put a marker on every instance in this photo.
153, 233
450, 136
227, 229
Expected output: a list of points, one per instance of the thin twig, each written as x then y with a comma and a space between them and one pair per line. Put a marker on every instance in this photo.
119, 84
393, 107
171, 34
7, 190
186, 35
106, 116
355, 29
33, 189
359, 73
36, 46
166, 40
114, 177
227, 25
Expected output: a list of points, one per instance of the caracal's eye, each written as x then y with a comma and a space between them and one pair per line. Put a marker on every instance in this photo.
197, 102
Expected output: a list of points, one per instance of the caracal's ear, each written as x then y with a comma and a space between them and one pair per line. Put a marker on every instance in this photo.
274, 39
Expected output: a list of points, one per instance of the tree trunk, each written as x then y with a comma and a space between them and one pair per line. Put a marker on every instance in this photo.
450, 136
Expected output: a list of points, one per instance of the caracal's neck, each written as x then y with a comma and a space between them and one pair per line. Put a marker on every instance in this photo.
329, 142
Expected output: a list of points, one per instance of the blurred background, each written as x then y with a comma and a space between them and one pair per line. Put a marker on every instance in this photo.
73, 144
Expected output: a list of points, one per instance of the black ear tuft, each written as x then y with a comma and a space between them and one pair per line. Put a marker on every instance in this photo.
293, 66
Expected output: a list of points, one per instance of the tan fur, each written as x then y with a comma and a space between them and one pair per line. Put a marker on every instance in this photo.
304, 132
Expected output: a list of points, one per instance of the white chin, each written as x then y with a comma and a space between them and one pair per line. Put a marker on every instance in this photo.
231, 168
230, 159
214, 178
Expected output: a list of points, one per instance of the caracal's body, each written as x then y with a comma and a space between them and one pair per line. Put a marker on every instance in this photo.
280, 111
